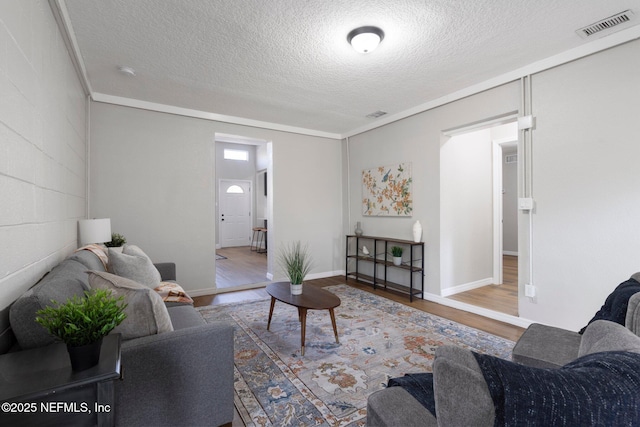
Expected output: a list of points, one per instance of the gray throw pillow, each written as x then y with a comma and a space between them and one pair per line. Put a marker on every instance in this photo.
134, 264
66, 280
604, 335
146, 312
632, 321
461, 392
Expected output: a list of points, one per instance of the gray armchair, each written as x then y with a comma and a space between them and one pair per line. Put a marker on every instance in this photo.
180, 378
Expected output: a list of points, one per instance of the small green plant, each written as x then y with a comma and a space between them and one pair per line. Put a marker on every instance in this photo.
295, 260
396, 251
82, 321
117, 240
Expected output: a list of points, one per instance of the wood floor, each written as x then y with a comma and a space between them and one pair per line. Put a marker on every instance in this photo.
241, 267
502, 298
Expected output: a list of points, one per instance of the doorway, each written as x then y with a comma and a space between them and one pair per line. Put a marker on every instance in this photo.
479, 215
241, 164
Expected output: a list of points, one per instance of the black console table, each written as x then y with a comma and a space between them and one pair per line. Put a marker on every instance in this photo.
378, 257
38, 387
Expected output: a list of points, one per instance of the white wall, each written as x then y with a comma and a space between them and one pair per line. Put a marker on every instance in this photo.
261, 193
262, 157
42, 147
586, 229
307, 199
235, 169
466, 210
586, 238
153, 175
418, 139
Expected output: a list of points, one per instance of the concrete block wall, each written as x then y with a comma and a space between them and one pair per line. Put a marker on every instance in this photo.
43, 146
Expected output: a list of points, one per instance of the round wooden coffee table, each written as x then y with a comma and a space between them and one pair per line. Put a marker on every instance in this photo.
312, 298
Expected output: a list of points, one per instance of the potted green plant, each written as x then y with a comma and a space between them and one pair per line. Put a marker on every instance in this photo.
117, 241
82, 322
396, 252
295, 260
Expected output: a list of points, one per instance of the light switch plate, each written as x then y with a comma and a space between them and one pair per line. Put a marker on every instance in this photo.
525, 203
529, 291
526, 122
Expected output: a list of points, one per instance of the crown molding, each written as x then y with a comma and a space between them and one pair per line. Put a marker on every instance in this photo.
61, 15
171, 109
587, 49
64, 24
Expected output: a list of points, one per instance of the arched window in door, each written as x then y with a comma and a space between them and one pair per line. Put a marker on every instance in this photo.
235, 189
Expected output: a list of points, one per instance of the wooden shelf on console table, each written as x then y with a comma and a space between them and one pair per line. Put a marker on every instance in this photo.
381, 247
368, 280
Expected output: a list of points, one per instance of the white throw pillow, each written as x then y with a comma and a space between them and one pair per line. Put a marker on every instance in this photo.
146, 312
134, 264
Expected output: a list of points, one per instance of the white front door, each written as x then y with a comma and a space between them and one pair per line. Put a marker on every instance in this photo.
235, 213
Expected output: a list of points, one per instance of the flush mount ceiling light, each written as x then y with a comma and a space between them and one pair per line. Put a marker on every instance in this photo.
365, 39
127, 71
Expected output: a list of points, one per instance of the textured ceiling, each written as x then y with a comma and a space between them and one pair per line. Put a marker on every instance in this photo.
288, 61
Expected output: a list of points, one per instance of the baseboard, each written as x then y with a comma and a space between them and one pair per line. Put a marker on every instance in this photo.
325, 274
269, 277
510, 253
467, 287
496, 315
485, 312
215, 291
311, 276
201, 292
242, 287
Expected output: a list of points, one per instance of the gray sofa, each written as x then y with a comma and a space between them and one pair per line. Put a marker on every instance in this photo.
545, 346
461, 393
183, 377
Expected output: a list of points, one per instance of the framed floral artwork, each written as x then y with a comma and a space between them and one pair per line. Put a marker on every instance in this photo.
386, 191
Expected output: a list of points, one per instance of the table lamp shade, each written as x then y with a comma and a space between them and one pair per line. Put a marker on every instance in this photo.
94, 230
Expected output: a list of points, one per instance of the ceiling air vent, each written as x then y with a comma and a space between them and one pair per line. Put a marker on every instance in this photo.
606, 26
376, 114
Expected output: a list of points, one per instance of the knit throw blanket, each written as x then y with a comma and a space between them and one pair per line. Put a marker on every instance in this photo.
600, 389
615, 306
420, 386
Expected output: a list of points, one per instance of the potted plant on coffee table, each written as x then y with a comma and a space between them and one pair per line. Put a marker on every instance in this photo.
81, 323
295, 260
396, 252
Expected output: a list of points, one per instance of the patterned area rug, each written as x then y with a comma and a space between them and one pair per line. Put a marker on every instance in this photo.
329, 385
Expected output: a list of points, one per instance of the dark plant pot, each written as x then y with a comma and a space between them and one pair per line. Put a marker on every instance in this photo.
84, 356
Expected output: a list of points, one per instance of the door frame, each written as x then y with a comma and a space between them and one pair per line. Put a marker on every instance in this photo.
498, 212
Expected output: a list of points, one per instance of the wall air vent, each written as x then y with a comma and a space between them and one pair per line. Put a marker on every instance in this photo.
606, 26
376, 114
511, 158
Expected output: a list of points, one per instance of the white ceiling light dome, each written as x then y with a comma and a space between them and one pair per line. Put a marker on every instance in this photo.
127, 71
365, 39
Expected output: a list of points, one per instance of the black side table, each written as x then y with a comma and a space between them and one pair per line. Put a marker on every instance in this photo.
38, 387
